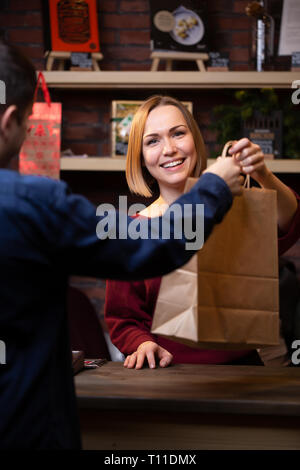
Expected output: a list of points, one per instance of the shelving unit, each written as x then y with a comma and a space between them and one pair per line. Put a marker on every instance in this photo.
119, 80
164, 79
118, 164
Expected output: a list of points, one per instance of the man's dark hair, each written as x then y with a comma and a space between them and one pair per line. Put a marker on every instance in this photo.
19, 76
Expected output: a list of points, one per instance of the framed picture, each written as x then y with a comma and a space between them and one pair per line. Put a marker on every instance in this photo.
73, 25
289, 40
178, 25
122, 116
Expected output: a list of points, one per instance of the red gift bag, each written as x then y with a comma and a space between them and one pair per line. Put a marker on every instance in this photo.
40, 153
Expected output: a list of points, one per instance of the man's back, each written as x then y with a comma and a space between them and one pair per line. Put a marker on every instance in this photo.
47, 233
36, 381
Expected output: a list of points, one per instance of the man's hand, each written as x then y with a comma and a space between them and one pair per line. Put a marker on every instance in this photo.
229, 170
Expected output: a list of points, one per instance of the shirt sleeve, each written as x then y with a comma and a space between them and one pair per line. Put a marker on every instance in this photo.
128, 312
112, 252
288, 239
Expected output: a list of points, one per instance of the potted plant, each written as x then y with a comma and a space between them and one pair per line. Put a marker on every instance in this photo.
234, 121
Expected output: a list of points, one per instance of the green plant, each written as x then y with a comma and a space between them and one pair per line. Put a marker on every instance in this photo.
227, 123
291, 126
228, 119
265, 100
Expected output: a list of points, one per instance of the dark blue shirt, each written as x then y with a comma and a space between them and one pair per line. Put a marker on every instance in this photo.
46, 235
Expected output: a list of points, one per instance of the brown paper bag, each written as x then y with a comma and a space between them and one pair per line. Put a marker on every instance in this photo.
227, 296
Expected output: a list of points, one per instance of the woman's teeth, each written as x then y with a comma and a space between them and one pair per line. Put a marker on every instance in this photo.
170, 164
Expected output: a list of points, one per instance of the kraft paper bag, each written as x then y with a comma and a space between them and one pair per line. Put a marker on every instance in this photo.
227, 296
40, 153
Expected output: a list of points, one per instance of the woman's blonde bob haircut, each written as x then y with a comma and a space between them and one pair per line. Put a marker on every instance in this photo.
136, 173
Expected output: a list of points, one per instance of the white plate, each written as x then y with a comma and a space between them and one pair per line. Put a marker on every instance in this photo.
194, 34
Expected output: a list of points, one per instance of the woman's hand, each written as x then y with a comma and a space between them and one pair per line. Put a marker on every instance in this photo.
251, 158
149, 350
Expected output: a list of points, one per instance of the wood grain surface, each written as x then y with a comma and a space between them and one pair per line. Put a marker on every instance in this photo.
218, 389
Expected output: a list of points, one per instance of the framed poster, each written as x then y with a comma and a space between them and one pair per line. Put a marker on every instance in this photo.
178, 25
122, 116
289, 40
74, 25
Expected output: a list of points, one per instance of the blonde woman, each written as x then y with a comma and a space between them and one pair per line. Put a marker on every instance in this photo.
165, 148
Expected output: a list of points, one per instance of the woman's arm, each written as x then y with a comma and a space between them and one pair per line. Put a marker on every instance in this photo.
128, 313
287, 203
290, 237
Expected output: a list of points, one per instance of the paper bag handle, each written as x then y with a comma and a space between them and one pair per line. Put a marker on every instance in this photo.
41, 80
224, 155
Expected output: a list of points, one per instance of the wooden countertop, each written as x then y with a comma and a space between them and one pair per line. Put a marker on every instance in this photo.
218, 389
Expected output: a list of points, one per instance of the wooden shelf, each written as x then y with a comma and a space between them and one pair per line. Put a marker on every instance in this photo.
164, 79
284, 166
118, 164
92, 164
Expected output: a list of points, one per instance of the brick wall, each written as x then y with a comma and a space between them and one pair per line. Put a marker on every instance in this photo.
124, 28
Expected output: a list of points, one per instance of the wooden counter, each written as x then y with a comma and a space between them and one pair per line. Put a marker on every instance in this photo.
189, 407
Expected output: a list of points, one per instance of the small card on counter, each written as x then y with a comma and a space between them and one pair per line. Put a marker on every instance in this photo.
94, 363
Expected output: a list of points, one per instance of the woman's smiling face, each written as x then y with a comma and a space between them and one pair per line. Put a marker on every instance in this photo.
168, 147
